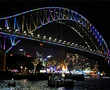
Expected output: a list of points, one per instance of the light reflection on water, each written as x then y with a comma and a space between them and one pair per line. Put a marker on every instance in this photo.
37, 85
27, 85
30, 85
31, 89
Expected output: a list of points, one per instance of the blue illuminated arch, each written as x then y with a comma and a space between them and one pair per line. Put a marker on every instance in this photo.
63, 14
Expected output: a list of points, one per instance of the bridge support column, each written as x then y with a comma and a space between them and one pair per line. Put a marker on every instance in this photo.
4, 50
3, 61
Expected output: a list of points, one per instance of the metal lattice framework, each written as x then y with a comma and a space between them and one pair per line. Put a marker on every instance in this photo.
26, 24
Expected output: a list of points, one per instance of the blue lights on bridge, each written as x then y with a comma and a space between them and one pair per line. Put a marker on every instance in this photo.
42, 17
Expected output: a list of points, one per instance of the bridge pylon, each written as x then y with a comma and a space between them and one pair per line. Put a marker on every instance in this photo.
3, 61
4, 49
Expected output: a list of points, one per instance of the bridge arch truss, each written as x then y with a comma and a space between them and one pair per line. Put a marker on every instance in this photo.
26, 24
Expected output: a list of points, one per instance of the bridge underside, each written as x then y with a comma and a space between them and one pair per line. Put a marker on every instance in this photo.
46, 44
63, 33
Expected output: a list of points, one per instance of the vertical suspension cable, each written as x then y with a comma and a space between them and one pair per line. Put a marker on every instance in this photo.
23, 24
15, 23
0, 45
12, 39
6, 24
4, 44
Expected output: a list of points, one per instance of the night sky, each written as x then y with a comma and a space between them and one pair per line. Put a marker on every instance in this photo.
96, 11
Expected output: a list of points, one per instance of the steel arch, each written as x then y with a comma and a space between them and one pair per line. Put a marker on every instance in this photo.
48, 15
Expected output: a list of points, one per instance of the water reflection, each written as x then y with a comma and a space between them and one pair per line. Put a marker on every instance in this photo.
41, 85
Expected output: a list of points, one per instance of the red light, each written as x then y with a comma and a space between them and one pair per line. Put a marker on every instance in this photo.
28, 55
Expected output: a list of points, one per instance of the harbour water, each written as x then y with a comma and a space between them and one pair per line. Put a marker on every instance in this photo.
43, 85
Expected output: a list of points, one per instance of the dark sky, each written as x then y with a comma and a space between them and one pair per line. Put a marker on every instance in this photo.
96, 11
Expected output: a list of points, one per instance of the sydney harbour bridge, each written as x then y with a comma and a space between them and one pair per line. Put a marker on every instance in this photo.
26, 25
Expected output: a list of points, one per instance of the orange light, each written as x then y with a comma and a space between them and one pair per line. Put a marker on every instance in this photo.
41, 44
64, 67
11, 54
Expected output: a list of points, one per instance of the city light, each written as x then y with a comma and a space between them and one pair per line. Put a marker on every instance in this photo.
25, 33
8, 28
38, 35
55, 40
64, 42
72, 44
50, 38
68, 43
59, 41
16, 30
44, 37
49, 56
21, 49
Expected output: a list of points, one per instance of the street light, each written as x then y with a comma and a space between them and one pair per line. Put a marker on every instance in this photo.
94, 50
25, 33
64, 42
59, 41
38, 35
55, 40
32, 34
68, 43
76, 45
82, 46
72, 44
90, 49
21, 49
50, 38
16, 30
0, 28
44, 37
7, 28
